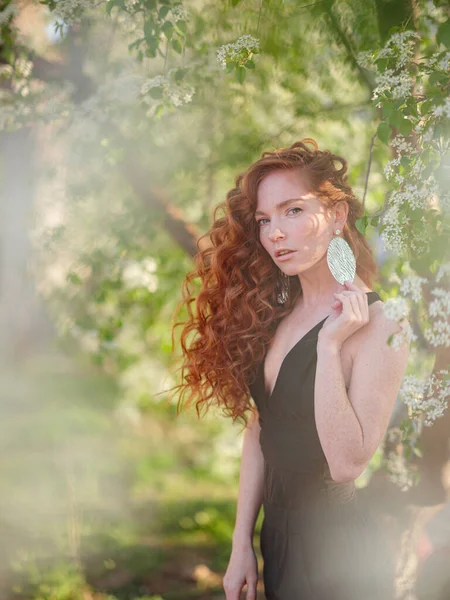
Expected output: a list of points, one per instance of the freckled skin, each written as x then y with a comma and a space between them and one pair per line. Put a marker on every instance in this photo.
306, 226
305, 230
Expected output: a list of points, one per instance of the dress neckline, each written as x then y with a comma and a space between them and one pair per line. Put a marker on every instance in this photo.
268, 395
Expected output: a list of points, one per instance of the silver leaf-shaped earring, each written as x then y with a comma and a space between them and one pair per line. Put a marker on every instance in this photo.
341, 260
283, 287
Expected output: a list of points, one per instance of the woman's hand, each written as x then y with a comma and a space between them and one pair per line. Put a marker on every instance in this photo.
350, 312
242, 569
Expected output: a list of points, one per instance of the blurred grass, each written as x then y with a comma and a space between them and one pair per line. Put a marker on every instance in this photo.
92, 503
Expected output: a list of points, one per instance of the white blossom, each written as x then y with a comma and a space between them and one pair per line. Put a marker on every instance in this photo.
178, 93
398, 84
230, 52
411, 286
397, 309
178, 13
399, 46
365, 59
444, 202
392, 233
131, 4
399, 471
443, 270
443, 110
441, 60
402, 144
439, 333
426, 399
69, 11
428, 135
441, 306
413, 195
389, 167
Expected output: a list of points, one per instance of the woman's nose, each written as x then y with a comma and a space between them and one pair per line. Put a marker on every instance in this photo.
275, 234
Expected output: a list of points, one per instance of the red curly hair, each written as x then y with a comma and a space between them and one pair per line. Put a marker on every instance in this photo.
236, 309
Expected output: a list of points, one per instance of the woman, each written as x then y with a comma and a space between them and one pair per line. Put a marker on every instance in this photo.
274, 324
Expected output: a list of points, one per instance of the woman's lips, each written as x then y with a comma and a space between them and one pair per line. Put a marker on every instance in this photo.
284, 257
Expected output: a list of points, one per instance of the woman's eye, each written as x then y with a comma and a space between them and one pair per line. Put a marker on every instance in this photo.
293, 208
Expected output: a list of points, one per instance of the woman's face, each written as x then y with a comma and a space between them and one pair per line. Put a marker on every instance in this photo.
289, 216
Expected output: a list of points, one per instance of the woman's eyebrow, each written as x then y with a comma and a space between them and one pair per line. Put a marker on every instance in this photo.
281, 204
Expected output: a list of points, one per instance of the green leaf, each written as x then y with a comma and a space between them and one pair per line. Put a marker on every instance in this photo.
426, 106
387, 108
156, 92
163, 11
167, 29
405, 161
176, 45
405, 127
159, 110
148, 30
181, 25
443, 33
136, 44
361, 224
230, 67
112, 3
396, 118
250, 64
74, 278
384, 132
417, 227
240, 74
179, 74
417, 451
437, 77
382, 64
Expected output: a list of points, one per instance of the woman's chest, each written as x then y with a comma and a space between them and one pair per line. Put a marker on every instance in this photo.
291, 359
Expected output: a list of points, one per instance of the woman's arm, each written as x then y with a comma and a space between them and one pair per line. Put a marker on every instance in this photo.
250, 485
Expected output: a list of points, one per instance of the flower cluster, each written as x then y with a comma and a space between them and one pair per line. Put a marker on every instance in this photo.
440, 60
178, 93
411, 286
439, 333
399, 85
178, 13
415, 196
426, 399
131, 5
443, 110
443, 271
399, 51
401, 144
397, 309
399, 47
392, 234
239, 51
399, 471
70, 11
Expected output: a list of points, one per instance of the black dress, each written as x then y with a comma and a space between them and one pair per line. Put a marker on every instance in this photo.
316, 541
